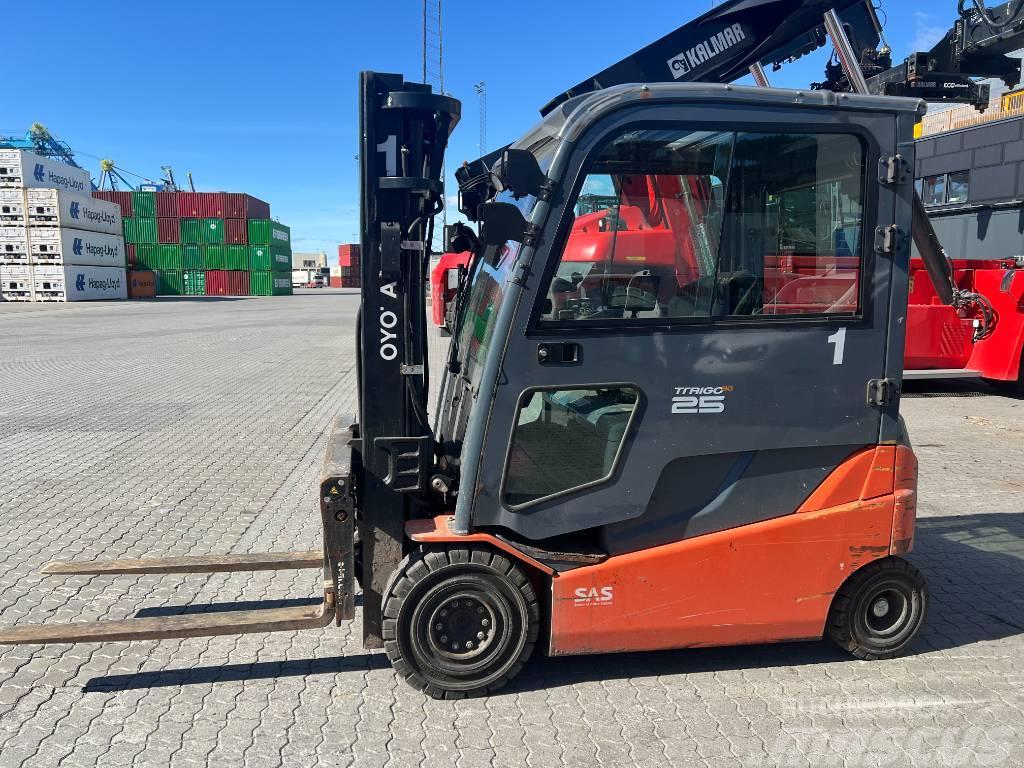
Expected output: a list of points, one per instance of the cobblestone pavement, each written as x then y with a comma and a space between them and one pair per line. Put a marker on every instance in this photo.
192, 427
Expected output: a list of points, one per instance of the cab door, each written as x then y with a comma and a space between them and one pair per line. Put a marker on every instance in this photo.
706, 310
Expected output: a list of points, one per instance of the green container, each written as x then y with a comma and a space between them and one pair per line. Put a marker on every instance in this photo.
238, 257
147, 256
194, 282
169, 283
259, 258
191, 230
266, 283
267, 232
144, 205
213, 230
192, 257
213, 257
169, 256
138, 230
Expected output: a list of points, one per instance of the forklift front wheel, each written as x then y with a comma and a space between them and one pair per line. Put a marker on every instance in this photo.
878, 612
459, 621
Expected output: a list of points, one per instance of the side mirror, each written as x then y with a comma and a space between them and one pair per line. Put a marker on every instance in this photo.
501, 222
518, 172
458, 238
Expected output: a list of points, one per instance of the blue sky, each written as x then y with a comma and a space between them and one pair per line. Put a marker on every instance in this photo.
260, 97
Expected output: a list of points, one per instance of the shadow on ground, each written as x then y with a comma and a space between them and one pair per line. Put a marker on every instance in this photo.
974, 565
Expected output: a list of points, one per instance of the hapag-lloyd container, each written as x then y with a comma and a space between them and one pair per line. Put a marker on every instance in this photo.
167, 205
140, 230
76, 282
13, 245
167, 230
240, 206
19, 168
122, 199
236, 232
75, 246
238, 283
12, 207
16, 282
141, 284
236, 257
56, 208
144, 205
267, 232
216, 282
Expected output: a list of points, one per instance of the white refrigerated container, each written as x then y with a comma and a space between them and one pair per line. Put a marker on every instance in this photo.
13, 245
15, 282
75, 282
19, 168
52, 245
54, 208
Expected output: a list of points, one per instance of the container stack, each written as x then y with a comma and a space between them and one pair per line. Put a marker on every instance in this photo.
348, 275
57, 242
206, 243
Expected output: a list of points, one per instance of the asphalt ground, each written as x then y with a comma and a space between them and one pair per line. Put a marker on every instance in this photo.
196, 426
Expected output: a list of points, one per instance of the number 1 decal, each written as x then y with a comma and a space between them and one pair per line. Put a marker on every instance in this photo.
839, 339
390, 149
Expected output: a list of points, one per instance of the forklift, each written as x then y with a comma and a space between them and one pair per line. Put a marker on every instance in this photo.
694, 440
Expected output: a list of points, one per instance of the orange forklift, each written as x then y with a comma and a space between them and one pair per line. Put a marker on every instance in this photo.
671, 446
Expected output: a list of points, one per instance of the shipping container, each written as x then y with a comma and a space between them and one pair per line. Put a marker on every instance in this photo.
55, 208
188, 204
15, 282
238, 283
14, 245
12, 208
348, 255
237, 257
335, 281
192, 257
142, 230
193, 282
122, 199
76, 282
19, 168
214, 257
144, 205
263, 283
170, 256
262, 257
168, 230
240, 206
169, 283
265, 232
236, 231
216, 282
129, 255
75, 246
211, 205
147, 256
167, 206
213, 231
141, 284
191, 231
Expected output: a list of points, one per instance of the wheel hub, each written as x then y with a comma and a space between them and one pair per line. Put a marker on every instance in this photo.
461, 627
887, 612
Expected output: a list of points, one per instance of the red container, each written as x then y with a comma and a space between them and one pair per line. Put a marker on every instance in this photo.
238, 283
348, 255
216, 282
236, 232
335, 282
123, 199
241, 206
211, 205
167, 208
129, 250
188, 205
141, 285
167, 230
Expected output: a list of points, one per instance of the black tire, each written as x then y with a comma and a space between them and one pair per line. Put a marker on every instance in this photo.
459, 622
880, 609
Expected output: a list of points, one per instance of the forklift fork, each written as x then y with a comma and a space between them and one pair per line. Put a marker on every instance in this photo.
337, 509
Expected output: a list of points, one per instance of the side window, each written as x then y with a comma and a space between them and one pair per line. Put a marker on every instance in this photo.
565, 440
957, 187
699, 224
934, 190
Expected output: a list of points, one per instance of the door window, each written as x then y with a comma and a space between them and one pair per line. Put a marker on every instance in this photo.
566, 439
698, 224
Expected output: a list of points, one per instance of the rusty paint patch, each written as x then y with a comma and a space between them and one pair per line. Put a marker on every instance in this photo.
866, 550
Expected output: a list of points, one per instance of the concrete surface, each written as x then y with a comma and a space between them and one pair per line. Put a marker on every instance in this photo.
195, 426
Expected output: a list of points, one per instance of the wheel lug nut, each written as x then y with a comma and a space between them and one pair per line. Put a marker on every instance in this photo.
444, 638
479, 609
485, 622
444, 613
480, 635
469, 644
455, 603
439, 625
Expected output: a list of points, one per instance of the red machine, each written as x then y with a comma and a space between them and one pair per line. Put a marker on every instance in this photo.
444, 288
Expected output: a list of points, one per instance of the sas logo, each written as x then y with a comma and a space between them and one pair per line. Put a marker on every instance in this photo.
588, 596
700, 399
80, 282
76, 246
39, 173
692, 58
74, 210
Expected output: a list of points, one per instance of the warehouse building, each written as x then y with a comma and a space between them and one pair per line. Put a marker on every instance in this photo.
309, 260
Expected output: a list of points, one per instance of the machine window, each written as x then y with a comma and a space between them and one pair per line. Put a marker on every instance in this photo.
944, 188
565, 440
713, 225
934, 190
957, 187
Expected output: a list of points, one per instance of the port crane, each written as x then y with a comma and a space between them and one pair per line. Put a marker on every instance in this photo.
40, 141
700, 450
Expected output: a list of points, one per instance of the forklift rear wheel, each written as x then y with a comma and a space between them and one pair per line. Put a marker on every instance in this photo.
459, 622
878, 612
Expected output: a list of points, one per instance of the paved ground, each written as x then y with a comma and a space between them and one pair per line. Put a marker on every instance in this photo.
195, 426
